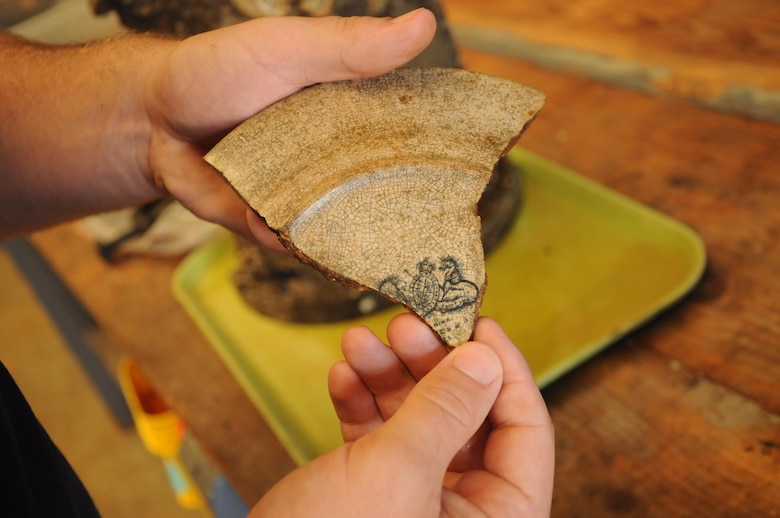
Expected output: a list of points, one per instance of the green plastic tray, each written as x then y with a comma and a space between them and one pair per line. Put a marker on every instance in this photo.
581, 267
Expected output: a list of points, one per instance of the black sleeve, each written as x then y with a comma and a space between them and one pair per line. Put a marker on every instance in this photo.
35, 479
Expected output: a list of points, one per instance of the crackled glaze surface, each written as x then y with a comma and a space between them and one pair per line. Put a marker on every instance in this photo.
375, 182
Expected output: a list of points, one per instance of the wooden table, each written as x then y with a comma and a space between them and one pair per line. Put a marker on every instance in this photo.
681, 418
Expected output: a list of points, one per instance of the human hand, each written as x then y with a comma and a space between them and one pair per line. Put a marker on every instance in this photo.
206, 85
404, 425
120, 122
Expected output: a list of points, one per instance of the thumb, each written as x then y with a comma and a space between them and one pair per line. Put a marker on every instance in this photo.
447, 406
335, 48
224, 76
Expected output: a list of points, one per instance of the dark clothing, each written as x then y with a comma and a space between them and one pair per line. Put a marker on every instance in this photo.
35, 479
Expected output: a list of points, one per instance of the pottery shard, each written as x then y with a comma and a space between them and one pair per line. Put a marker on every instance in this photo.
375, 182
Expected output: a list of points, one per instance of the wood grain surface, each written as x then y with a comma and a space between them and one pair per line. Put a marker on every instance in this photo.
719, 53
682, 417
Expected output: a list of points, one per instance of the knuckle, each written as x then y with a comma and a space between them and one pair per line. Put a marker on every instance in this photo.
451, 405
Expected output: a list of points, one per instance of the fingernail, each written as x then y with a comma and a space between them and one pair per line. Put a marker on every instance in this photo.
406, 17
478, 362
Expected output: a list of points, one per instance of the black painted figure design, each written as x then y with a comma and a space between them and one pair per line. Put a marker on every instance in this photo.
425, 290
427, 293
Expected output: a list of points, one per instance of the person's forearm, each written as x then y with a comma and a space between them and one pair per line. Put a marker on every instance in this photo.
73, 133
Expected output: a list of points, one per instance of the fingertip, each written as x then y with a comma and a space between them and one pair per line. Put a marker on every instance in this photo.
415, 344
419, 29
366, 46
262, 234
489, 325
346, 390
409, 16
366, 353
355, 336
407, 325
342, 378
421, 20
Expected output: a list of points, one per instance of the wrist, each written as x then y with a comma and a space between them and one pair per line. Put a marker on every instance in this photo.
73, 132
126, 129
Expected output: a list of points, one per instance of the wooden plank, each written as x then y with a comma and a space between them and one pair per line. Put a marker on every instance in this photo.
132, 301
714, 172
717, 52
637, 435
